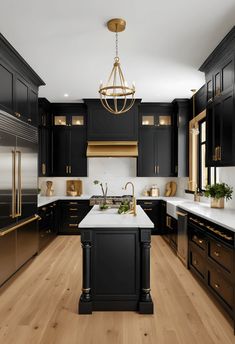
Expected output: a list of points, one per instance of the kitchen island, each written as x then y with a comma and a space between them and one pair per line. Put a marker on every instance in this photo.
116, 262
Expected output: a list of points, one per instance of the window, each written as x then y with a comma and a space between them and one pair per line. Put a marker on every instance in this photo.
199, 174
206, 175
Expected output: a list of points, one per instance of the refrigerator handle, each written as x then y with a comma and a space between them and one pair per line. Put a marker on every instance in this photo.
13, 196
19, 191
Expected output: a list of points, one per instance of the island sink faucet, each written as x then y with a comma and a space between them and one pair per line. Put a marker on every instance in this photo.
133, 202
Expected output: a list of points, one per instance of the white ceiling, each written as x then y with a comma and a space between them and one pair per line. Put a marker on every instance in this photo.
165, 42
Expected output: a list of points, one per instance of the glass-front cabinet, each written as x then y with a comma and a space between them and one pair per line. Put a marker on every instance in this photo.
68, 120
156, 120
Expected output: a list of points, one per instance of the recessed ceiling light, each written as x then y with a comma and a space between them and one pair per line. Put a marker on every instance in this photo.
66, 95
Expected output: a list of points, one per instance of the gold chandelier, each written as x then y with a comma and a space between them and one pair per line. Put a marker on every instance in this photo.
116, 96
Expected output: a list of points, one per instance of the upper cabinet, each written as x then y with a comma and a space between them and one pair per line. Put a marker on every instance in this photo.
104, 126
69, 140
155, 140
219, 73
18, 85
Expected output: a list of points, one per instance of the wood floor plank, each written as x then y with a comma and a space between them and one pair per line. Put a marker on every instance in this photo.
39, 304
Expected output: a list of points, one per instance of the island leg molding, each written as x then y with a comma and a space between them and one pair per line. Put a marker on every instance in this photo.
146, 303
85, 303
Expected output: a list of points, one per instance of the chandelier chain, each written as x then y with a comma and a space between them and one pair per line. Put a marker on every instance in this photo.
116, 44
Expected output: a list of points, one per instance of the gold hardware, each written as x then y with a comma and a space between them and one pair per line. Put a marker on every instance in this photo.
73, 216
148, 209
133, 202
73, 203
155, 169
217, 286
158, 169
13, 200
70, 169
86, 290
200, 241
72, 209
180, 213
67, 169
17, 114
43, 169
116, 25
29, 120
21, 224
219, 153
216, 253
19, 192
195, 262
150, 203
73, 225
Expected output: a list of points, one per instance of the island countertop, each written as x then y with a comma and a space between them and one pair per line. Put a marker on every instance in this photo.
111, 219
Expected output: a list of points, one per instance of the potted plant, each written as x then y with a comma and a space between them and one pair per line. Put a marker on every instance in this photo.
218, 192
104, 204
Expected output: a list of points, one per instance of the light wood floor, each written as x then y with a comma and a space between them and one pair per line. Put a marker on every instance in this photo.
39, 305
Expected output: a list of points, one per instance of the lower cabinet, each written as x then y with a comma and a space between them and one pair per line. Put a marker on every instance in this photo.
27, 243
153, 209
7, 256
212, 260
71, 213
48, 225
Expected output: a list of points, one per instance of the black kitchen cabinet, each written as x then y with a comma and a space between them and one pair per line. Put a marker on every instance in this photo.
44, 138
155, 140
211, 260
155, 152
7, 256
104, 126
172, 232
48, 226
219, 73
6, 88
18, 84
73, 212
69, 140
153, 209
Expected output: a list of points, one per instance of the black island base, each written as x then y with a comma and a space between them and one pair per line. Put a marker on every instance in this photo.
116, 270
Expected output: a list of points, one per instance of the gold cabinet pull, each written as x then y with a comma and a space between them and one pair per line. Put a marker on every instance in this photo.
73, 225
19, 191
13, 199
158, 169
73, 209
73, 216
150, 203
200, 241
219, 153
43, 169
217, 286
148, 209
73, 203
67, 169
18, 225
29, 120
216, 253
180, 213
17, 114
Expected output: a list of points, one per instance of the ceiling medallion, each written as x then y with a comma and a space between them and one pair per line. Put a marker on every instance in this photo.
116, 96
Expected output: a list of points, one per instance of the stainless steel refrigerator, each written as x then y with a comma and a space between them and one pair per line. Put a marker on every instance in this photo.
18, 192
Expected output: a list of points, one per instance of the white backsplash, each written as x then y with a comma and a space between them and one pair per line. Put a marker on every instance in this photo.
116, 172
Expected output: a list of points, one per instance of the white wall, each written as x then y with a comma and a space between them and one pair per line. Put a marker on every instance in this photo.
116, 172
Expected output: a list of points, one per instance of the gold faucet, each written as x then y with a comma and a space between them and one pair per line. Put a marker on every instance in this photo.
133, 203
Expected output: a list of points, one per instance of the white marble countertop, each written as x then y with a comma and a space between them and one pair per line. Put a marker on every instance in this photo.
111, 219
222, 217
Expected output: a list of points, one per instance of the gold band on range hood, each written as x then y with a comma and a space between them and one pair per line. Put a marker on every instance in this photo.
112, 149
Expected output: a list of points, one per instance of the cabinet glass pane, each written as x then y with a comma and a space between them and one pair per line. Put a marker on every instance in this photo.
77, 120
148, 120
164, 120
227, 75
60, 120
217, 84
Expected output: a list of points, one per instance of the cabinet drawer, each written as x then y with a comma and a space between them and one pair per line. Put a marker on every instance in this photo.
221, 286
71, 228
199, 239
221, 254
197, 262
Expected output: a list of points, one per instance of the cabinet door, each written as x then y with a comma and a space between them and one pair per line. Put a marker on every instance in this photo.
33, 108
227, 74
60, 152
21, 99
78, 159
146, 158
163, 152
7, 256
27, 243
44, 157
227, 119
6, 89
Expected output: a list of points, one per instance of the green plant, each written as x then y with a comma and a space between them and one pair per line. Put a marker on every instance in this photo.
219, 190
